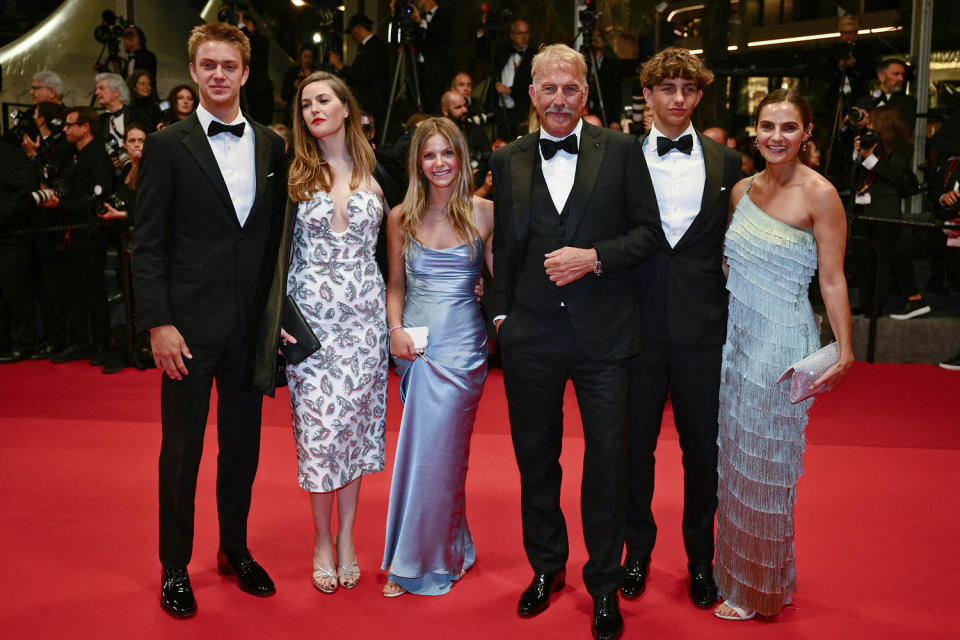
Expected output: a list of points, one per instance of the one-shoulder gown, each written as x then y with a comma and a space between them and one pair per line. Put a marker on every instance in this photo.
428, 541
761, 435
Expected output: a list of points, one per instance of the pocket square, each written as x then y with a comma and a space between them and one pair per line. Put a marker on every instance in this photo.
723, 188
270, 175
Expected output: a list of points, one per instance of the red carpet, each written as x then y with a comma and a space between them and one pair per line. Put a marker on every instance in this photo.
876, 521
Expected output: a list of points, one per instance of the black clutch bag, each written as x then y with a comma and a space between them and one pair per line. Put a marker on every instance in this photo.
296, 325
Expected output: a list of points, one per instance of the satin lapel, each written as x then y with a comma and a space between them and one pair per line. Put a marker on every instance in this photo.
713, 168
197, 144
521, 179
588, 166
262, 159
648, 180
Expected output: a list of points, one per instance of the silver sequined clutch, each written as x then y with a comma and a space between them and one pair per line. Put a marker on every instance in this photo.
805, 372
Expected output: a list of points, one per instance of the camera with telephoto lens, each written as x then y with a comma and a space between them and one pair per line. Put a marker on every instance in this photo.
481, 119
230, 12
116, 152
52, 183
869, 138
21, 124
856, 115
99, 201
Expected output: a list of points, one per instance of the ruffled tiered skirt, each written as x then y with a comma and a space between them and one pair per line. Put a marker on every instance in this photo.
761, 435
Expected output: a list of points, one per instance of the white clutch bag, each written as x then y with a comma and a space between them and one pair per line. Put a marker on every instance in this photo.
807, 371
419, 336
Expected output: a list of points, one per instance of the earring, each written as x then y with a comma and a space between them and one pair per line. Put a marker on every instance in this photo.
803, 147
756, 145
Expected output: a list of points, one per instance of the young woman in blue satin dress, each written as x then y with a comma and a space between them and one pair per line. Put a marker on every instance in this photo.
437, 241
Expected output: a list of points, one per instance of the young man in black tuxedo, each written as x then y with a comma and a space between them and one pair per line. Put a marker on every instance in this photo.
683, 302
208, 213
567, 232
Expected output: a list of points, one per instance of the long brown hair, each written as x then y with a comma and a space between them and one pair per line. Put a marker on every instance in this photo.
889, 125
460, 205
309, 171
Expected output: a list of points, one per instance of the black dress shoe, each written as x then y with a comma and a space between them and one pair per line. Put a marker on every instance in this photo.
14, 355
250, 576
115, 362
703, 590
537, 596
98, 357
607, 621
635, 580
176, 595
43, 352
68, 354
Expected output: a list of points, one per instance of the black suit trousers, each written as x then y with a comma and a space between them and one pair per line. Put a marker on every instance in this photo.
84, 282
539, 356
184, 407
692, 374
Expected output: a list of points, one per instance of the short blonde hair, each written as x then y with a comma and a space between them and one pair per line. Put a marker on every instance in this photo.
674, 62
220, 32
555, 55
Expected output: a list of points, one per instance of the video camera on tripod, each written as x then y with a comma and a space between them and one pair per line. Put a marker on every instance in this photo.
108, 33
403, 28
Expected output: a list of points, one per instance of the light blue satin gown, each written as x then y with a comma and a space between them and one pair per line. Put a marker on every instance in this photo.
428, 541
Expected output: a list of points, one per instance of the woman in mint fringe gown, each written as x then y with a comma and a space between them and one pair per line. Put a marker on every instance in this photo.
787, 224
437, 240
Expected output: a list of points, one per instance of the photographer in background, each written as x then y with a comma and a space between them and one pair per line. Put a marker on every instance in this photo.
511, 76
17, 252
113, 95
453, 106
83, 248
258, 90
138, 56
121, 206
882, 177
435, 60
610, 70
890, 75
853, 61
367, 76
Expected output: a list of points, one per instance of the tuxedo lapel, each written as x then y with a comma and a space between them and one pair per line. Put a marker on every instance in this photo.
649, 188
713, 169
589, 159
521, 179
195, 140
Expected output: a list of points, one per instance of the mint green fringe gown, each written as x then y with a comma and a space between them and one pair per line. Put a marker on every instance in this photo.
761, 435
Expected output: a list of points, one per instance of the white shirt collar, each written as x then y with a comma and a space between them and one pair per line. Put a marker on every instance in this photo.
366, 39
575, 132
206, 118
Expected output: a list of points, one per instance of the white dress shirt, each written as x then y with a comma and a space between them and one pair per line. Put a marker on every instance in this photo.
507, 76
560, 170
237, 160
678, 181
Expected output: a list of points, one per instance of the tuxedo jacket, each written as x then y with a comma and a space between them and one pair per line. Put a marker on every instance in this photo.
194, 266
368, 78
683, 296
605, 211
522, 78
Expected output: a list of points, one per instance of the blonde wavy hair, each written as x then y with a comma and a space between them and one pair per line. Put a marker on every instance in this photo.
460, 205
309, 171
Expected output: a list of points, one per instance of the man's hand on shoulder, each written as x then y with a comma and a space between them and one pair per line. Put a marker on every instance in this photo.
169, 350
568, 264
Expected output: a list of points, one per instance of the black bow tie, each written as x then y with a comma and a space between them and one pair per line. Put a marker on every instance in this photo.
550, 147
683, 144
219, 127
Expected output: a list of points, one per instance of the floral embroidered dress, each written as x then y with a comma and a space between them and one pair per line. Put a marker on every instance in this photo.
338, 396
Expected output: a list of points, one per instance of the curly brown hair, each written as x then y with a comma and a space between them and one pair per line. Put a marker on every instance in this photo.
674, 62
